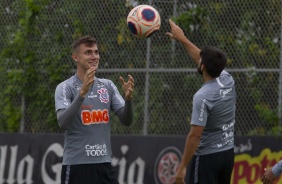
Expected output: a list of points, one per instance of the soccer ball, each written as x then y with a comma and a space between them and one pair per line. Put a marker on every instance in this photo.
143, 21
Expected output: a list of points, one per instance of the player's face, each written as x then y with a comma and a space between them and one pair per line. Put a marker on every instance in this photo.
87, 57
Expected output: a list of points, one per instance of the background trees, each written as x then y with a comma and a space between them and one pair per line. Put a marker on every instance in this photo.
35, 57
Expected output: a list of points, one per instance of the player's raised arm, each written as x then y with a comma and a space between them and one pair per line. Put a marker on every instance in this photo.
178, 34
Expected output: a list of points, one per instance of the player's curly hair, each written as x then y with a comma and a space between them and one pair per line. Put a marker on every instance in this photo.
214, 60
88, 40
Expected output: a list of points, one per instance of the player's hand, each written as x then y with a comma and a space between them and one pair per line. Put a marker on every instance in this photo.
179, 177
127, 87
268, 177
176, 32
87, 81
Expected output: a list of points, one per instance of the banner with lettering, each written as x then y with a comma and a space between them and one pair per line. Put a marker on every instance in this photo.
36, 158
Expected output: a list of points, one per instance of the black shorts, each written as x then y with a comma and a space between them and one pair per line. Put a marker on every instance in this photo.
88, 174
213, 168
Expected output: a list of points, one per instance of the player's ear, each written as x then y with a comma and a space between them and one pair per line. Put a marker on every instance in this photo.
74, 57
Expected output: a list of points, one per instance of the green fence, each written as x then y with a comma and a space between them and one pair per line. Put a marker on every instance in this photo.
35, 38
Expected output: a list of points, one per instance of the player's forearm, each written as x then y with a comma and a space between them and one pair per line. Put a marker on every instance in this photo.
191, 145
192, 50
66, 116
125, 114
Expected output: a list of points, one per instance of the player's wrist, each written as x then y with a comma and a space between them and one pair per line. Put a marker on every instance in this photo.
82, 94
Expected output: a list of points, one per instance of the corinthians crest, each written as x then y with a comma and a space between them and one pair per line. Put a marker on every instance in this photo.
104, 95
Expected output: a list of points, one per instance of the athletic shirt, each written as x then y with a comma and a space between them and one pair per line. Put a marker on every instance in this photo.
87, 137
277, 169
214, 109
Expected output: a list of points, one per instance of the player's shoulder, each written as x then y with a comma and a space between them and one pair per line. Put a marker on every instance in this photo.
104, 82
226, 78
207, 91
66, 83
224, 73
203, 92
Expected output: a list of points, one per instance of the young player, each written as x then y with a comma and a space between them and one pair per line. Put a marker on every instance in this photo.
209, 144
83, 104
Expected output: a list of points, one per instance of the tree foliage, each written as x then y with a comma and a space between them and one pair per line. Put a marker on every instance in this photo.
35, 57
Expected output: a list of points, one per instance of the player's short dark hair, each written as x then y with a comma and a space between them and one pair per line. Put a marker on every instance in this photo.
214, 60
88, 40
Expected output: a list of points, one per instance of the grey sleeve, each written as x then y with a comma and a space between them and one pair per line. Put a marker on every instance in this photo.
200, 111
66, 116
125, 114
277, 168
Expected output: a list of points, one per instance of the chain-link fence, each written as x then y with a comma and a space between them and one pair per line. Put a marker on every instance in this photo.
35, 57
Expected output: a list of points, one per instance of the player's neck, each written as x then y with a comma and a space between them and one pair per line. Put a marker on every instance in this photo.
207, 77
80, 74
